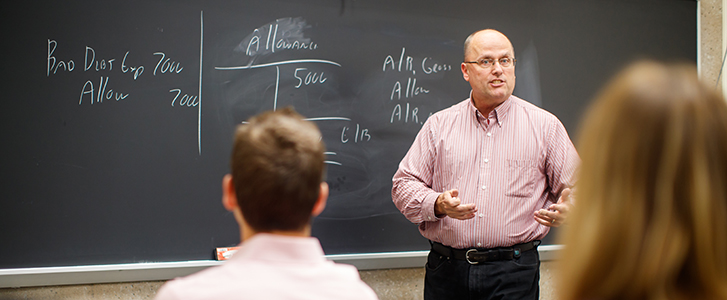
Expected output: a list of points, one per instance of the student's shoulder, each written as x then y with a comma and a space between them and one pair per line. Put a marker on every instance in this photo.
349, 278
195, 286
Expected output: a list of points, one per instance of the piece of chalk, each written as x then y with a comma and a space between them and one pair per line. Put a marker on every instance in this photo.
225, 253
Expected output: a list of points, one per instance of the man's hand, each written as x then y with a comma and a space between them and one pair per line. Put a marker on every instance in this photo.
449, 204
556, 214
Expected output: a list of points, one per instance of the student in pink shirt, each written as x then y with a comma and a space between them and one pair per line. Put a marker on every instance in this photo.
275, 188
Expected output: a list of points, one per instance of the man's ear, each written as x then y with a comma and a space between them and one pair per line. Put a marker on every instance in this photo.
229, 201
229, 197
321, 201
465, 72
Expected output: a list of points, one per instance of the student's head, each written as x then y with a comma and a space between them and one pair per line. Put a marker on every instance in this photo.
277, 172
650, 216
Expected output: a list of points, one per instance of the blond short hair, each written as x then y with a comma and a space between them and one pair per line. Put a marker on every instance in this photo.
650, 218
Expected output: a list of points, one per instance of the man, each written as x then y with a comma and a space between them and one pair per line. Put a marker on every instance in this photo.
485, 180
276, 187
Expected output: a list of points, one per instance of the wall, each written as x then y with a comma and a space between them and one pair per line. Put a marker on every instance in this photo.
395, 283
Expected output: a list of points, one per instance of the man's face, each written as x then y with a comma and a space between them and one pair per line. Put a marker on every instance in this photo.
493, 85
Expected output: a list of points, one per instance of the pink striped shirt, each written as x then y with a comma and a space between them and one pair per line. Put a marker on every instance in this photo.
517, 164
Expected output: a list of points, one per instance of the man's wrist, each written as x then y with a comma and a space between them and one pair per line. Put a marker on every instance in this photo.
430, 212
438, 212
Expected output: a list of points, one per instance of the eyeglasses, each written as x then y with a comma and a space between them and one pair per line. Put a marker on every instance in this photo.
487, 63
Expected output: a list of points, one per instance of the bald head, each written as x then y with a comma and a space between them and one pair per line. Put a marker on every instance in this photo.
485, 34
493, 84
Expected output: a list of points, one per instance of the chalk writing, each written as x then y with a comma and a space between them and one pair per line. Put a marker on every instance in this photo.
430, 68
310, 77
397, 113
167, 65
361, 135
53, 63
428, 65
407, 113
408, 66
186, 100
328, 119
103, 90
282, 34
278, 63
90, 61
295, 45
411, 89
287, 34
331, 162
88, 89
136, 70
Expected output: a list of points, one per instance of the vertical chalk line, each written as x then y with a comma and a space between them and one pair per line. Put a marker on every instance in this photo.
199, 115
277, 83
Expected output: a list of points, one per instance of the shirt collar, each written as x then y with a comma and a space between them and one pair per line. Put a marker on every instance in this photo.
280, 248
499, 113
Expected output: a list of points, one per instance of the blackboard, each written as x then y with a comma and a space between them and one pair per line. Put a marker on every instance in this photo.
117, 116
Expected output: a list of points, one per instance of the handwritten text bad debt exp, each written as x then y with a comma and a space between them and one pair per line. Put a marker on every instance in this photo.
96, 93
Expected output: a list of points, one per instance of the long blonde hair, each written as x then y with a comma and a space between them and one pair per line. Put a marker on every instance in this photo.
650, 217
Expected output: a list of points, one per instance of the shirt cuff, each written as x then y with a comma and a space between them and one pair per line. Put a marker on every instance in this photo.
428, 208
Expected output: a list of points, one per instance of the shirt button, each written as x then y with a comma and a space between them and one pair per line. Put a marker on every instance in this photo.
487, 160
489, 134
479, 244
484, 187
482, 215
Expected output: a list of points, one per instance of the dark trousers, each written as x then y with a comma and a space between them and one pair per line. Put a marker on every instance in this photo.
449, 278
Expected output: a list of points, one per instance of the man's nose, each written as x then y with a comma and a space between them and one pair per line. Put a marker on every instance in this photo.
496, 68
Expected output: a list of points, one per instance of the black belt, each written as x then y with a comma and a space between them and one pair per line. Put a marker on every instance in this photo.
479, 255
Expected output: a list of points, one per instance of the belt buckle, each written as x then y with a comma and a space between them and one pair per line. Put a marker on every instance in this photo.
467, 257
516, 252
